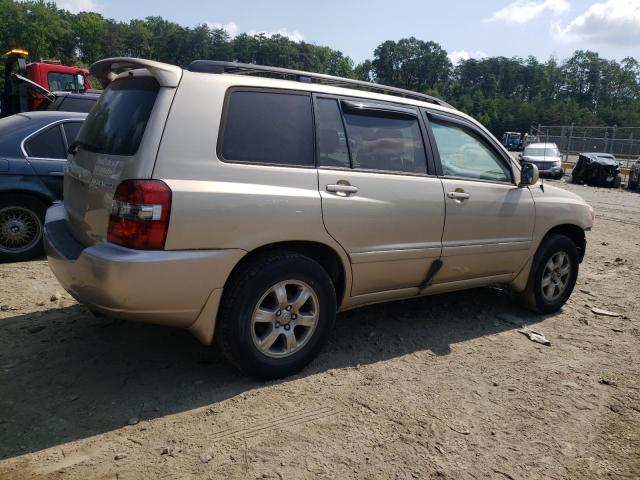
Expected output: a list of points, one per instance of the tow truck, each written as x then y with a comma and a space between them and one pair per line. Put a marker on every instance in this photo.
27, 85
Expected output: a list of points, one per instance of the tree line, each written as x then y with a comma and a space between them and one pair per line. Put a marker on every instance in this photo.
503, 93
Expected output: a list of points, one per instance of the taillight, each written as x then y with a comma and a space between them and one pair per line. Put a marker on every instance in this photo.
140, 214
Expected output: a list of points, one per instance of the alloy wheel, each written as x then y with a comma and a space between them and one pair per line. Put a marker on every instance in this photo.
285, 318
20, 229
555, 276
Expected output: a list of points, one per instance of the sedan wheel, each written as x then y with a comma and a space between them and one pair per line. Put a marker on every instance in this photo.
20, 230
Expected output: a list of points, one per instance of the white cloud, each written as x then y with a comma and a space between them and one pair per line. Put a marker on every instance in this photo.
296, 36
523, 11
610, 22
230, 27
459, 55
77, 6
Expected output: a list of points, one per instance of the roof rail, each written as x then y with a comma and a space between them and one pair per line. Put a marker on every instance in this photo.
215, 66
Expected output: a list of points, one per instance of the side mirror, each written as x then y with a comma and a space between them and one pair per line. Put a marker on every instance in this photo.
529, 175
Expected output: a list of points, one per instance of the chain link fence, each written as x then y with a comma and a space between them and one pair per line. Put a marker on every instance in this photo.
623, 142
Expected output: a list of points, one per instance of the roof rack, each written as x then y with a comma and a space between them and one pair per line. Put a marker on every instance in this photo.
215, 66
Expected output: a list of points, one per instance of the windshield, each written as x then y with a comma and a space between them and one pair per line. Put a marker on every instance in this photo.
61, 81
118, 120
542, 152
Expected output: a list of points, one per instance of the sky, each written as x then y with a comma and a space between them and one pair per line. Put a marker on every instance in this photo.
542, 28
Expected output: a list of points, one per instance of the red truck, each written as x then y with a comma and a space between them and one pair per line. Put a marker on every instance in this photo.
26, 85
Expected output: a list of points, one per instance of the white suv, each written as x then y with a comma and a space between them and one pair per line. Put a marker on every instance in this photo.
219, 200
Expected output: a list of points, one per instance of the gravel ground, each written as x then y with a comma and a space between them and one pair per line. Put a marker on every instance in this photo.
443, 386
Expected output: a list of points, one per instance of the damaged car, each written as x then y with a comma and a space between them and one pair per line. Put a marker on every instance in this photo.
597, 169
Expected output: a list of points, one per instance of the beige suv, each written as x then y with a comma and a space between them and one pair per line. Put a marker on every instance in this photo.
223, 200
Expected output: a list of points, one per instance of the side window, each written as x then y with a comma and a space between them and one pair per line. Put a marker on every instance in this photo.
47, 144
332, 141
385, 143
268, 127
462, 154
71, 130
82, 105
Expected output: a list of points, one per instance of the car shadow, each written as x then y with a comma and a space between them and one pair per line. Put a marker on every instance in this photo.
66, 375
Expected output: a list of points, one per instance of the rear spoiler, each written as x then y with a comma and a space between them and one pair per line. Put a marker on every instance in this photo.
108, 69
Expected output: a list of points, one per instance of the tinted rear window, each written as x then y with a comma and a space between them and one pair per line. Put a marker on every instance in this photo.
117, 122
271, 128
73, 104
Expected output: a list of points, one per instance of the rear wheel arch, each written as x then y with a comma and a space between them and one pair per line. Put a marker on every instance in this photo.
322, 253
38, 195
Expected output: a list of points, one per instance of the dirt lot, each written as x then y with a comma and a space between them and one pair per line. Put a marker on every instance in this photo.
436, 387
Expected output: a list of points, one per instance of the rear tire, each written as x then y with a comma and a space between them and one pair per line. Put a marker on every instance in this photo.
21, 227
575, 180
553, 275
261, 328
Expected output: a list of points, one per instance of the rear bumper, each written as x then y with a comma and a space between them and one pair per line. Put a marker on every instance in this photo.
164, 287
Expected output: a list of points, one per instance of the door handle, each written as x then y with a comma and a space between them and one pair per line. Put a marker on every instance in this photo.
458, 196
341, 189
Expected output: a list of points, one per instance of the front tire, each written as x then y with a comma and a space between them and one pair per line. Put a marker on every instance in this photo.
553, 275
21, 227
277, 312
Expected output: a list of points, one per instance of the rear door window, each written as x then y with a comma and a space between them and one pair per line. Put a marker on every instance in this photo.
268, 128
386, 143
117, 122
47, 144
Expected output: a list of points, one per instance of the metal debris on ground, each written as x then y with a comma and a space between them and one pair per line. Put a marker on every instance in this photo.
606, 313
535, 336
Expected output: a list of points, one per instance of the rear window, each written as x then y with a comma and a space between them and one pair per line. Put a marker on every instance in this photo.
268, 128
71, 130
117, 122
73, 104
